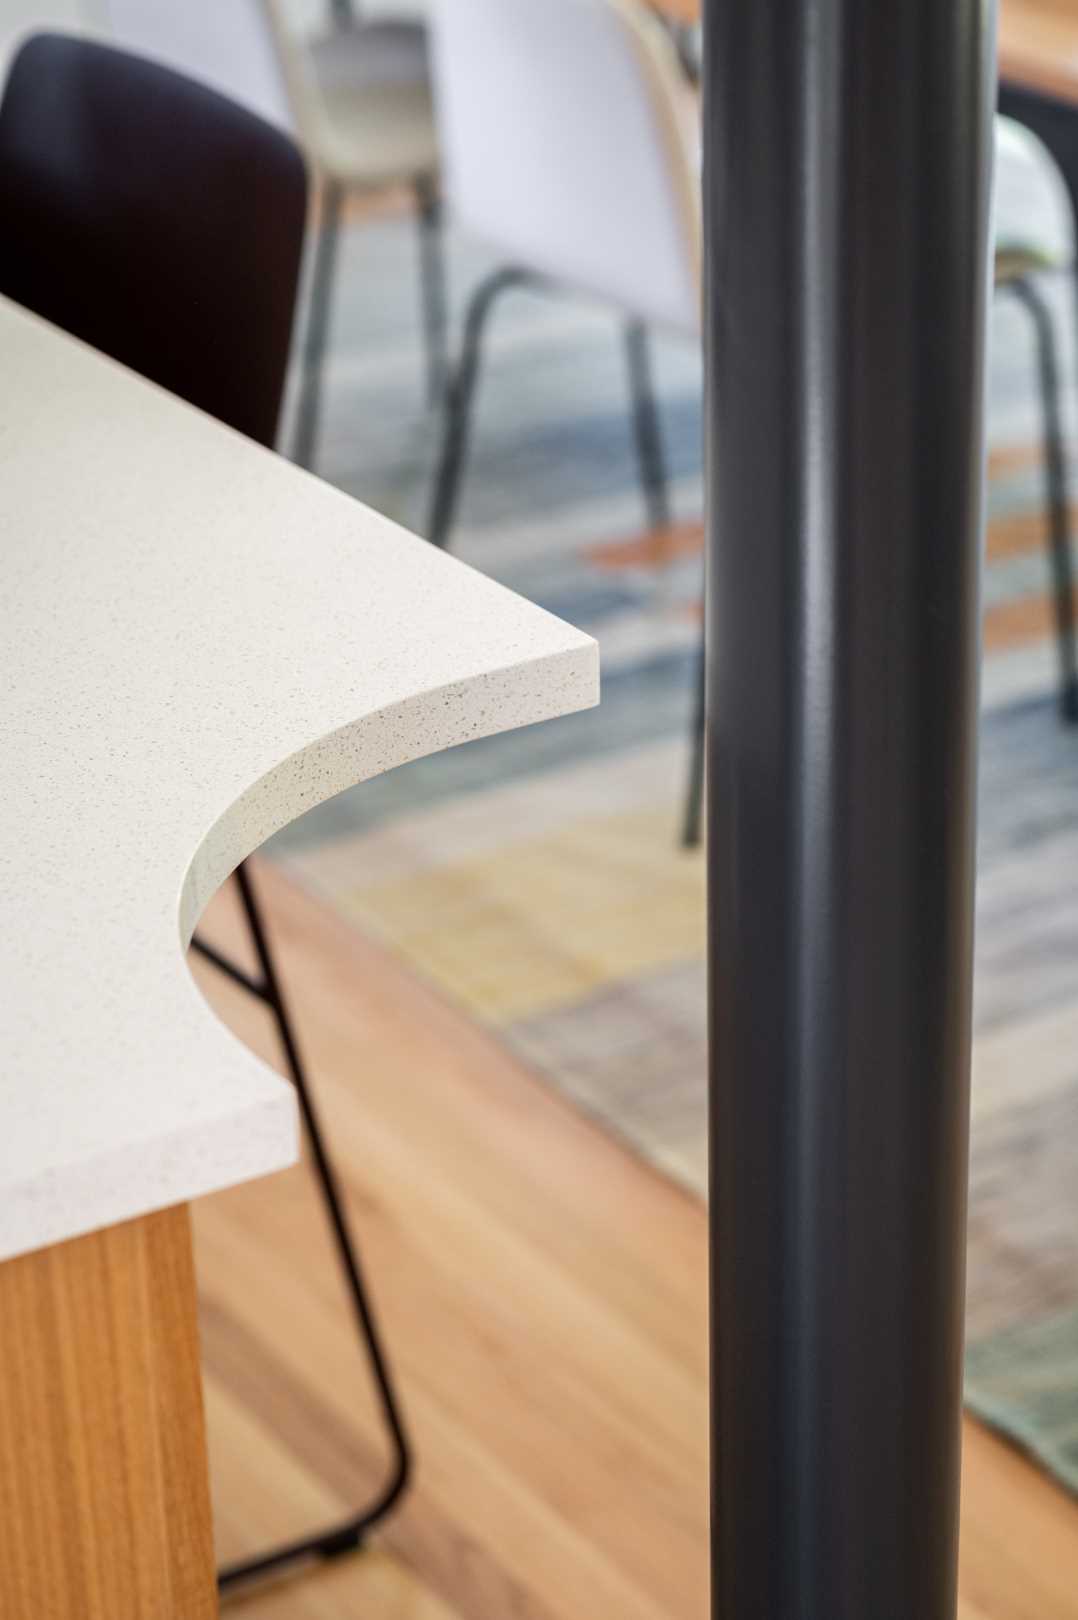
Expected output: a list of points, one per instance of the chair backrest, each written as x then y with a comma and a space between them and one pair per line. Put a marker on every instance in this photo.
564, 127
154, 219
234, 46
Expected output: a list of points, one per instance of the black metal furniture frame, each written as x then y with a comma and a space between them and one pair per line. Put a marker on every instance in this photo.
459, 402
349, 1535
846, 184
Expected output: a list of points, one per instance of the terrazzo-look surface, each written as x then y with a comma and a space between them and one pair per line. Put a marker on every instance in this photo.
200, 642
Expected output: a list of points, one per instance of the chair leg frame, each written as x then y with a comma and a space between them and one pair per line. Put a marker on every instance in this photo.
309, 411
349, 1535
459, 399
1054, 121
647, 428
1055, 471
433, 283
694, 797
433, 298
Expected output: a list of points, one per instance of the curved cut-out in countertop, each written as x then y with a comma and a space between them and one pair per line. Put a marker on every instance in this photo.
199, 643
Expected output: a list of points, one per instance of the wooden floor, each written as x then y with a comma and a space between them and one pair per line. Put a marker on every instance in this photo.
544, 1298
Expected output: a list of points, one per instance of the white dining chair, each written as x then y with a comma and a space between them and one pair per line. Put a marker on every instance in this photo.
357, 99
569, 138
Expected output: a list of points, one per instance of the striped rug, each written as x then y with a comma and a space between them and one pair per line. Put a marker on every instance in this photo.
535, 878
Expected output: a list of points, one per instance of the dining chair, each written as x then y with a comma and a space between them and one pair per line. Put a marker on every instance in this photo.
163, 224
593, 185
569, 140
358, 100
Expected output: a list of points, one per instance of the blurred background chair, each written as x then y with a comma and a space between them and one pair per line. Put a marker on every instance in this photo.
590, 184
357, 99
593, 185
1021, 260
163, 224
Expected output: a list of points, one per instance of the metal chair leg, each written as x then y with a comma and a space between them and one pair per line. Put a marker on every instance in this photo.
348, 1536
314, 346
433, 285
694, 797
646, 427
1031, 297
459, 397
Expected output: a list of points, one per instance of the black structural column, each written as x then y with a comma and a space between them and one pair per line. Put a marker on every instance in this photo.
846, 195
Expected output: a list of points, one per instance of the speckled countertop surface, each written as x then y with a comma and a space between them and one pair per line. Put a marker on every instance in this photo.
199, 643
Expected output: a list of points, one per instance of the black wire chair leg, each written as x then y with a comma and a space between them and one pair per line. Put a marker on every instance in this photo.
314, 345
433, 286
1056, 491
348, 1536
459, 398
694, 797
647, 430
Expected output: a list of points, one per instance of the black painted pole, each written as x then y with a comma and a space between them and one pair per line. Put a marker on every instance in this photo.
846, 195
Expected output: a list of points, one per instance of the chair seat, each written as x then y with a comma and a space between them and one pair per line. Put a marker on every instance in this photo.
373, 116
1033, 226
383, 51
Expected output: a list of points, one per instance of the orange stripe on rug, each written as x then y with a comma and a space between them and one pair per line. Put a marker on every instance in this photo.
1012, 536
1025, 619
1021, 533
1012, 458
655, 548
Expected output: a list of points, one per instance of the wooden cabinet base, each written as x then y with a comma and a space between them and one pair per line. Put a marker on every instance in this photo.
104, 1500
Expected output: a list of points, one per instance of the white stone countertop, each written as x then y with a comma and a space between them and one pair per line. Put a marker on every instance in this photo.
199, 642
